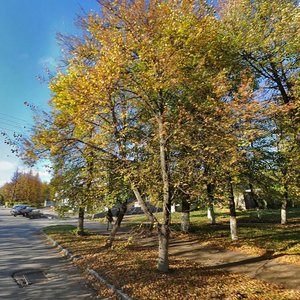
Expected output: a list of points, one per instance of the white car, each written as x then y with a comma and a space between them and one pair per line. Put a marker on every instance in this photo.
16, 209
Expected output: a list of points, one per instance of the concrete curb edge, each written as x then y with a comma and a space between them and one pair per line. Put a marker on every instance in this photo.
92, 272
122, 295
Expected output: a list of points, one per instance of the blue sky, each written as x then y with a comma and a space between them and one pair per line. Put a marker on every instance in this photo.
28, 44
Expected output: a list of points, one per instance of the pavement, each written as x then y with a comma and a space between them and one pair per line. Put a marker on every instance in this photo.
26, 257
259, 267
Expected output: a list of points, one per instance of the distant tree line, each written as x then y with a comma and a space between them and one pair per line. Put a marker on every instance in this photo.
26, 188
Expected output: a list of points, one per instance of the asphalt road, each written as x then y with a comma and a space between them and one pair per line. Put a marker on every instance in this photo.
23, 250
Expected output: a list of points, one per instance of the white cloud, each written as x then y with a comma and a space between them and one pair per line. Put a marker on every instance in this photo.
8, 168
42, 171
6, 165
2, 182
6, 171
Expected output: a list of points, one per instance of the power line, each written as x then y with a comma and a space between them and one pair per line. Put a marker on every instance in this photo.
14, 117
14, 126
11, 125
6, 129
12, 121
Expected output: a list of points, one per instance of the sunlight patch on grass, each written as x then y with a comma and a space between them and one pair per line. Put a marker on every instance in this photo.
59, 229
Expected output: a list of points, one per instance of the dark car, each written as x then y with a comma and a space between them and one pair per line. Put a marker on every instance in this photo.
34, 214
25, 211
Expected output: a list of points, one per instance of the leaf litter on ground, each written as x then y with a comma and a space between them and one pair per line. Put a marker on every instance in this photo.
132, 268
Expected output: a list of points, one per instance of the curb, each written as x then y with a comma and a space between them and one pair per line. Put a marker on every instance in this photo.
68, 254
122, 295
92, 272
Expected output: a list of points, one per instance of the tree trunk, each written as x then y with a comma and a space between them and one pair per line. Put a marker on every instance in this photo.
284, 206
116, 225
144, 207
210, 195
253, 197
185, 214
163, 248
164, 228
80, 227
280, 84
211, 214
233, 223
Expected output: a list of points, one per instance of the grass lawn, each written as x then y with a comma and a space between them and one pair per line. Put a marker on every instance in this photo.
256, 236
133, 268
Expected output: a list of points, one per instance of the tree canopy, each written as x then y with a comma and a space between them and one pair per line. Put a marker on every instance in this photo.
173, 98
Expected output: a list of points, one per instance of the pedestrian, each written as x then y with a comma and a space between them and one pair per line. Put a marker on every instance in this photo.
109, 217
118, 213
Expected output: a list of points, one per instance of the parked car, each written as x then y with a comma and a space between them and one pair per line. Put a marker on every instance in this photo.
25, 211
16, 209
34, 213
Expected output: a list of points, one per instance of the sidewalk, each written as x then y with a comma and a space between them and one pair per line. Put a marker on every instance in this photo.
259, 267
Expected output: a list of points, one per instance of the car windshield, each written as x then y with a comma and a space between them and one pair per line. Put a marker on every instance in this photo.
19, 206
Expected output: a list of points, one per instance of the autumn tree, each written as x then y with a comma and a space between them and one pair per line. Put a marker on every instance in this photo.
266, 33
128, 80
57, 138
180, 81
24, 188
150, 88
74, 187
